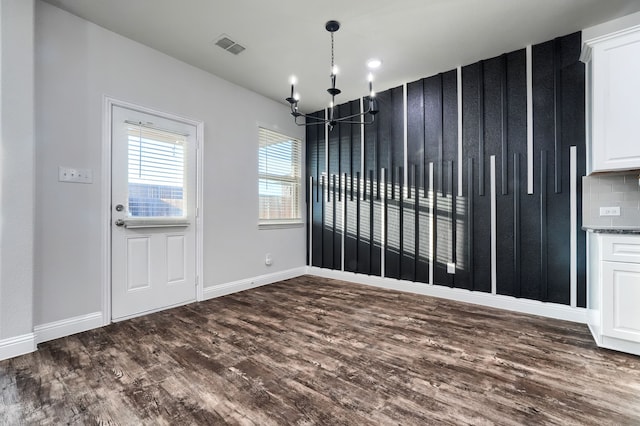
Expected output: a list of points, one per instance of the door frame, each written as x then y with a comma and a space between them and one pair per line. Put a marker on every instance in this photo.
108, 104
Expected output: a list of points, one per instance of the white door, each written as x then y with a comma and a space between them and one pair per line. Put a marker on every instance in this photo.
153, 220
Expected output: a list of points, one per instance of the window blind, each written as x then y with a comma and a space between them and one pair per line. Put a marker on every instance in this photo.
156, 167
279, 177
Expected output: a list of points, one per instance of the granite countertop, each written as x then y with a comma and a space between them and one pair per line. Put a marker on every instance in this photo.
612, 230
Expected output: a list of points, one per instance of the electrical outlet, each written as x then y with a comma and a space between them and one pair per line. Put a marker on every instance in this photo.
72, 175
267, 259
610, 211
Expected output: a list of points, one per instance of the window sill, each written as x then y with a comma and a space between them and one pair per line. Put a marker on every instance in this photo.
280, 225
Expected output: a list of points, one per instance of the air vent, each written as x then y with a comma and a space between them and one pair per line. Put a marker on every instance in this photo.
229, 45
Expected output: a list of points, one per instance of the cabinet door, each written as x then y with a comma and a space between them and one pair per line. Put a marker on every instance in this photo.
616, 103
621, 300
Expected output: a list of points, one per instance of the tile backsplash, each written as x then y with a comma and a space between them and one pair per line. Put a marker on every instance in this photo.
611, 190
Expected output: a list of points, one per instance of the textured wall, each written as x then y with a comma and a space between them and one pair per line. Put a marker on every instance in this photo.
16, 168
77, 63
411, 205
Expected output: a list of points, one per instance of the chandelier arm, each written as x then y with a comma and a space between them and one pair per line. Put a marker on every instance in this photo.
311, 117
312, 124
356, 122
360, 114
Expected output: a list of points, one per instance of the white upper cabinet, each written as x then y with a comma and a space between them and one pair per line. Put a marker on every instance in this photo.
613, 100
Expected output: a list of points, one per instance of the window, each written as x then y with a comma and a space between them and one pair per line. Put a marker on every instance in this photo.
279, 178
156, 172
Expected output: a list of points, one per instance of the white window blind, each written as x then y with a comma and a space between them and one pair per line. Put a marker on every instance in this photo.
279, 178
156, 172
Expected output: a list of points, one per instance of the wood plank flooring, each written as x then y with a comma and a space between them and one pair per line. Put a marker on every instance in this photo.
312, 351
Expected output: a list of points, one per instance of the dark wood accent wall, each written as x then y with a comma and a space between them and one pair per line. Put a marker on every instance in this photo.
355, 180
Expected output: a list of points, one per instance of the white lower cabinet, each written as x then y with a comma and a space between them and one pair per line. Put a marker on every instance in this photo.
621, 297
613, 295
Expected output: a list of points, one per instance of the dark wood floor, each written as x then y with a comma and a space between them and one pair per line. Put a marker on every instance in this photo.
316, 351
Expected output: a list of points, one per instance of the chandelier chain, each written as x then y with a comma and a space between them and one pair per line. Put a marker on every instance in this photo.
332, 64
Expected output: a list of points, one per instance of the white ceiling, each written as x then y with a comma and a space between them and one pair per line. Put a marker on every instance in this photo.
414, 38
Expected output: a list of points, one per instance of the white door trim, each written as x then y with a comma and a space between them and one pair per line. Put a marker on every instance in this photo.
108, 104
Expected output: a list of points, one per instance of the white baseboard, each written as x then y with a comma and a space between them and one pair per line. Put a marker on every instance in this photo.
248, 283
526, 306
67, 327
16, 346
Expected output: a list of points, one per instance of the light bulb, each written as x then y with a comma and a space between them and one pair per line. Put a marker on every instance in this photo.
374, 63
293, 80
334, 70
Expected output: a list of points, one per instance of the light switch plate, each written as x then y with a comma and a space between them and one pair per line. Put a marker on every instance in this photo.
610, 211
73, 175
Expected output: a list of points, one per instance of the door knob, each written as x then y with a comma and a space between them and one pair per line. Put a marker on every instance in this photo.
119, 222
119, 207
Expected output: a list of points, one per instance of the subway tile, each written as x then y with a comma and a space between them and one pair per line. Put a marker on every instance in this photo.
628, 217
597, 221
609, 197
633, 179
623, 187
600, 188
632, 196
630, 203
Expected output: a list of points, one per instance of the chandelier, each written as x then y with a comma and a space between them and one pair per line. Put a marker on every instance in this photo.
364, 117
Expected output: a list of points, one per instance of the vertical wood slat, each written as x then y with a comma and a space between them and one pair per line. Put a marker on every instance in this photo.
371, 216
470, 219
310, 223
505, 126
400, 179
416, 222
459, 111
494, 222
557, 111
544, 281
384, 223
529, 55
517, 282
358, 198
322, 216
350, 186
435, 234
481, 128
573, 238
333, 221
452, 221
344, 221
432, 224
441, 136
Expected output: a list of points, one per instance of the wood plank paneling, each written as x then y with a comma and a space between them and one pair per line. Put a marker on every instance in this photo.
473, 100
350, 168
532, 244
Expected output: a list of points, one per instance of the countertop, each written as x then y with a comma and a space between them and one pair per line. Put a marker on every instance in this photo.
618, 231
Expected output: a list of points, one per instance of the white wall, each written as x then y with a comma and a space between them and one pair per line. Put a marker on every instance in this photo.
16, 168
77, 64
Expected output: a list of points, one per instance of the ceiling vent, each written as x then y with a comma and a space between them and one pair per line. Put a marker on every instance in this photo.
229, 45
